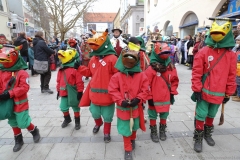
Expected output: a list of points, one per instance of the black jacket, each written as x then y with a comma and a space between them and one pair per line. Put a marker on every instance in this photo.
22, 41
41, 50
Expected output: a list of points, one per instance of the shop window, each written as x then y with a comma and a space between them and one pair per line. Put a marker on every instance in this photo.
1, 6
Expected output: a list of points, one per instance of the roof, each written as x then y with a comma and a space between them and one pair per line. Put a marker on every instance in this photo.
91, 17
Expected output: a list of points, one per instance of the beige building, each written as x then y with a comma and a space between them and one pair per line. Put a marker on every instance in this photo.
182, 17
116, 21
4, 19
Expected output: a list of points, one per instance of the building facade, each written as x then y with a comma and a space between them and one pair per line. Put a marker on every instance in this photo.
4, 19
16, 16
98, 21
116, 21
182, 17
132, 16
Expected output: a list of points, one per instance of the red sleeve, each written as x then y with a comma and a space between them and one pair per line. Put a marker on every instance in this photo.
85, 71
114, 89
149, 75
174, 82
144, 89
22, 85
58, 81
231, 81
79, 81
197, 71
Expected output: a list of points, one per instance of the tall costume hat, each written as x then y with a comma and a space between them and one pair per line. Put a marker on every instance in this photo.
100, 45
10, 59
220, 33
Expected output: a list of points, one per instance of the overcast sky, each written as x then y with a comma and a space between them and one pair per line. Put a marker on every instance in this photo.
105, 6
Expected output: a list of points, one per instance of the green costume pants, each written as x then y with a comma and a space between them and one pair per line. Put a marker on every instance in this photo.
106, 112
153, 114
65, 107
20, 119
205, 109
123, 126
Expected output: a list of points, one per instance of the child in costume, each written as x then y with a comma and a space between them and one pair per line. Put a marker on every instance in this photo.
100, 68
69, 86
14, 85
213, 79
129, 89
73, 44
163, 79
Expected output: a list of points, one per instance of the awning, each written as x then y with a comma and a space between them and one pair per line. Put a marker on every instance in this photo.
189, 24
230, 14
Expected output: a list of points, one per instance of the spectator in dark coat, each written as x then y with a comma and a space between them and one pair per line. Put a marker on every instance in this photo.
43, 53
22, 40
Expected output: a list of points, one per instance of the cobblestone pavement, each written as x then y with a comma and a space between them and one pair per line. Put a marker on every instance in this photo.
68, 144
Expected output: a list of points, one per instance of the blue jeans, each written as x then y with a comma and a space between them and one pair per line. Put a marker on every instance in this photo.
238, 90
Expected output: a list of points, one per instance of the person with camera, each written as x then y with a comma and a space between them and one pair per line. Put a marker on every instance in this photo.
42, 56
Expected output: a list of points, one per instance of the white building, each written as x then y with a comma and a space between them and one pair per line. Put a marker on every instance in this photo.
4, 19
132, 16
182, 17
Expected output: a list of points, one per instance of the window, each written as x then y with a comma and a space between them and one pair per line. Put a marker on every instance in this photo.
137, 28
1, 6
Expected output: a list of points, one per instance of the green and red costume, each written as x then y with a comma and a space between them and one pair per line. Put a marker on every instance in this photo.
214, 88
17, 91
101, 69
168, 82
68, 74
122, 86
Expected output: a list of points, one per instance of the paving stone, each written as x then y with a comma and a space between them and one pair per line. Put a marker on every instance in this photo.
166, 157
233, 121
225, 125
61, 132
114, 150
55, 122
53, 114
3, 123
6, 141
229, 155
6, 152
181, 100
176, 146
38, 114
147, 149
176, 127
176, 108
35, 151
179, 117
3, 130
91, 151
226, 131
85, 112
237, 135
51, 140
40, 121
85, 131
63, 151
198, 156
227, 142
76, 140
